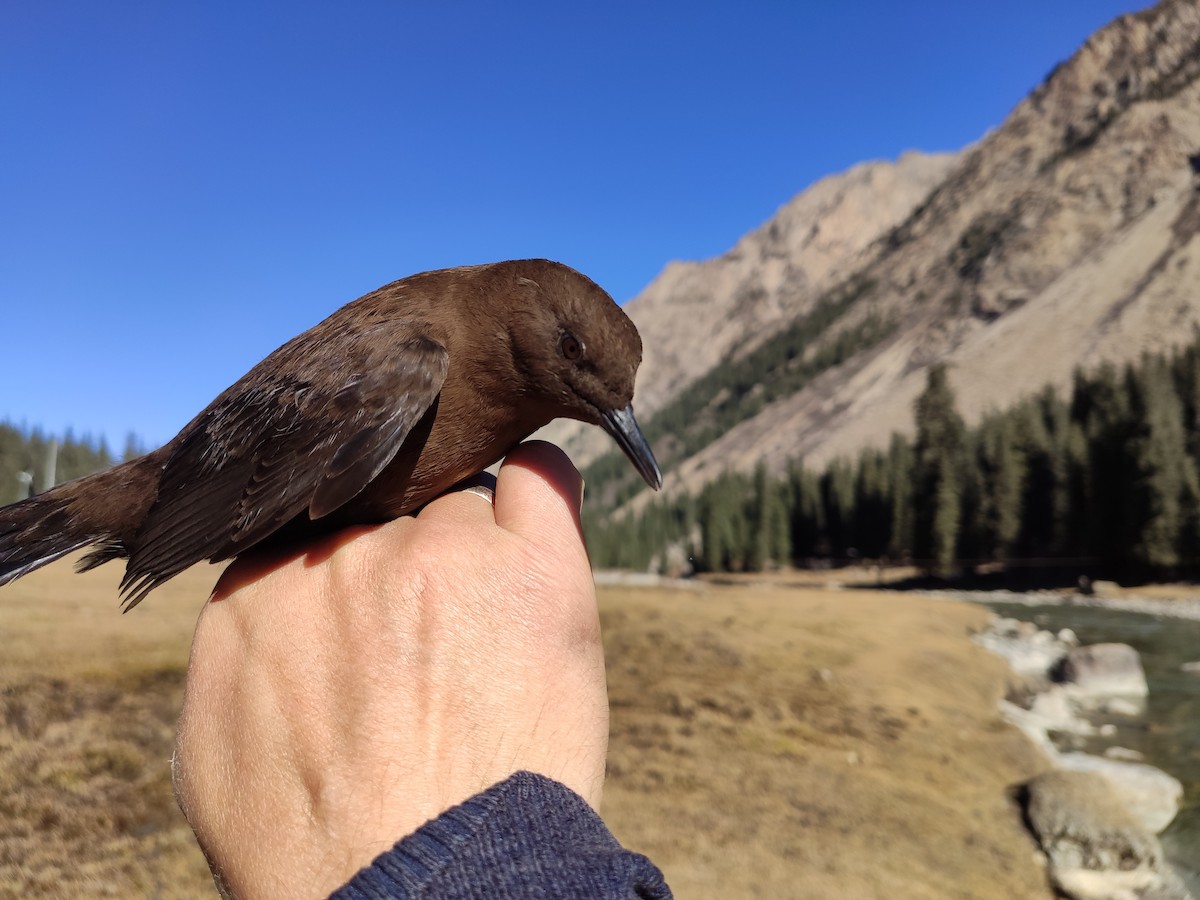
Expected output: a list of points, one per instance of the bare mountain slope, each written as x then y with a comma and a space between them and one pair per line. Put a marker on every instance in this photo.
1066, 237
695, 314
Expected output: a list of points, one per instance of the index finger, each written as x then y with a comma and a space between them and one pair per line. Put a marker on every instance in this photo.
539, 493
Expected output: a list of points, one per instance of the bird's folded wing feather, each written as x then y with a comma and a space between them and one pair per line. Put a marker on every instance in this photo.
259, 457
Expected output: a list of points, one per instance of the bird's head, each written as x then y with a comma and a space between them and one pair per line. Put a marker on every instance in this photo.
578, 353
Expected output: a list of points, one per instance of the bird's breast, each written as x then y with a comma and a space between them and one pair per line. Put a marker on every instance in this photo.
459, 437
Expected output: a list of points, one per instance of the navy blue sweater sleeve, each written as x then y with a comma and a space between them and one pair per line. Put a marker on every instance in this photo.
527, 836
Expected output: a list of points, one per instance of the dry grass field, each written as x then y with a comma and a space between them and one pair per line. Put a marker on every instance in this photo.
88, 701
767, 742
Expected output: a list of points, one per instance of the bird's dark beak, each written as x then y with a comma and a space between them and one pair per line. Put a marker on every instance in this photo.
621, 424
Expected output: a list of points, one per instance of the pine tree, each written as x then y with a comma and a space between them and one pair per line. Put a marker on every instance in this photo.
768, 522
133, 447
807, 515
725, 527
1073, 541
1159, 457
715, 520
739, 498
778, 522
837, 496
938, 468
1101, 405
1189, 517
1057, 420
872, 504
974, 538
901, 465
12, 464
1003, 469
1039, 526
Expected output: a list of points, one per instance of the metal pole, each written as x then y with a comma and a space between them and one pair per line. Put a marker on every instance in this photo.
49, 476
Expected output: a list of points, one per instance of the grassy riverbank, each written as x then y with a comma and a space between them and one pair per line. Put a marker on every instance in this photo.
765, 742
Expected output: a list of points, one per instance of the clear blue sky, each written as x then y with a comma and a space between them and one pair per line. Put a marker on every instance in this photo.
185, 186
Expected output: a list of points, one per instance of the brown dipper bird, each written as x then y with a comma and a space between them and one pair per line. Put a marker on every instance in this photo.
367, 416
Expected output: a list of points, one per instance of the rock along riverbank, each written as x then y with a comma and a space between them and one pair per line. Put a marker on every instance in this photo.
1095, 817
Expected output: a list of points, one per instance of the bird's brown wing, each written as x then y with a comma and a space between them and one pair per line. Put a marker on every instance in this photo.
260, 456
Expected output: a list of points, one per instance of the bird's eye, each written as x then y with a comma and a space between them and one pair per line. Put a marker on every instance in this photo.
570, 346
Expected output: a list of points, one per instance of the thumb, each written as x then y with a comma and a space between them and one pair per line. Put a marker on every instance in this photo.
539, 493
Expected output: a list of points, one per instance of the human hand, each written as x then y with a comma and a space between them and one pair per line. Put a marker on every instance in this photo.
338, 699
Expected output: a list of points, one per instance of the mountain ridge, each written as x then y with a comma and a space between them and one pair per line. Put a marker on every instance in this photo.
695, 314
1065, 238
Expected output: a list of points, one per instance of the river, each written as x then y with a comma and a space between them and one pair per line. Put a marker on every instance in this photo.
1168, 734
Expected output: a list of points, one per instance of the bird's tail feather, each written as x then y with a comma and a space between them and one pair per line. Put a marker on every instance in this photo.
94, 510
38, 531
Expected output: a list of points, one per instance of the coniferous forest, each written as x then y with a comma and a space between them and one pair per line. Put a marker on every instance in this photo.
25, 453
1103, 481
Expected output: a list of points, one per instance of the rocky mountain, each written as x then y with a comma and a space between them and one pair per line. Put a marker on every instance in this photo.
694, 315
1064, 238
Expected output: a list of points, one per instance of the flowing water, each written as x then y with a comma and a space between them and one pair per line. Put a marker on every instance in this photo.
1168, 733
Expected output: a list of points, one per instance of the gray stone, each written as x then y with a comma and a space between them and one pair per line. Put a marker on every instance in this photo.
1054, 711
1032, 726
1097, 850
1029, 651
1123, 754
1150, 794
1103, 670
1130, 707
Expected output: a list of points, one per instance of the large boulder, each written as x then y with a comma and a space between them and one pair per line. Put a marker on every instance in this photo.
1150, 794
1102, 670
1030, 652
1097, 850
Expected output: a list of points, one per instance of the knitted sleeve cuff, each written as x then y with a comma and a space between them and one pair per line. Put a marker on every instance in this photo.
527, 836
